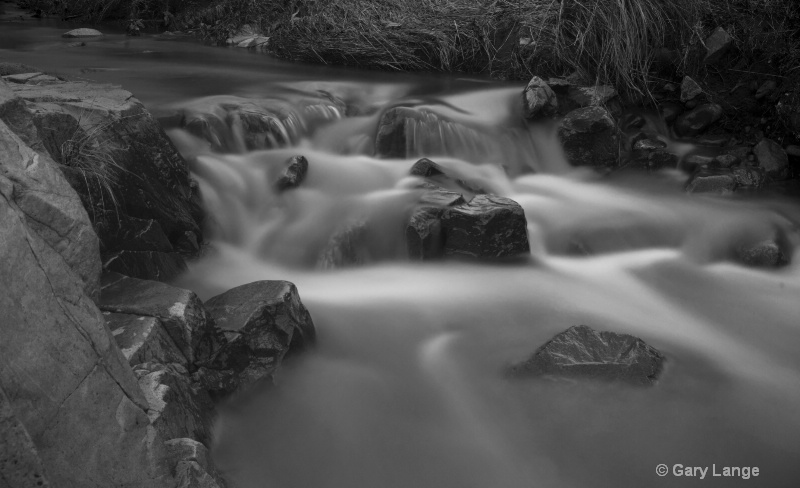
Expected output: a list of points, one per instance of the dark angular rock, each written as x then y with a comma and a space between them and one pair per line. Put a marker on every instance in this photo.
583, 353
698, 120
346, 247
424, 238
539, 99
263, 320
145, 265
177, 408
119, 232
487, 227
717, 45
293, 174
689, 89
590, 137
426, 168
390, 141
143, 339
179, 310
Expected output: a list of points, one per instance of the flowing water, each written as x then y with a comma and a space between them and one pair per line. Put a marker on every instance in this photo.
404, 388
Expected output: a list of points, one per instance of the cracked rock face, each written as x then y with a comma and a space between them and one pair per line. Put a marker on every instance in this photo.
583, 353
59, 364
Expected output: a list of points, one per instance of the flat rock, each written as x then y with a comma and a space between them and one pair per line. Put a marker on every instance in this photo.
590, 137
263, 320
293, 173
539, 99
583, 353
698, 120
180, 311
82, 32
143, 339
488, 227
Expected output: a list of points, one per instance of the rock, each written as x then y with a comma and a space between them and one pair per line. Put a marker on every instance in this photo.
766, 89
488, 227
717, 45
263, 321
590, 96
590, 137
670, 111
143, 339
793, 151
347, 246
50, 206
539, 99
145, 265
772, 158
748, 177
698, 119
651, 154
583, 353
176, 407
424, 238
83, 126
180, 311
7, 68
689, 89
390, 141
293, 174
122, 232
32, 79
20, 465
193, 466
426, 168
66, 379
720, 184
726, 160
82, 32
764, 254
439, 197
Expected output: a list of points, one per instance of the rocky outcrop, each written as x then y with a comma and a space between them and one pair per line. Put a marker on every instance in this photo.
180, 311
293, 174
590, 137
66, 380
583, 353
262, 321
118, 159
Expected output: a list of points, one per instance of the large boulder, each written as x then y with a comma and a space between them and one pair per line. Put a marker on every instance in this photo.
583, 353
65, 378
262, 320
20, 465
590, 137
487, 227
112, 151
180, 311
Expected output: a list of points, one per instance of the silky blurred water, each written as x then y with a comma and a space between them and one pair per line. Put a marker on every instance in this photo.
404, 388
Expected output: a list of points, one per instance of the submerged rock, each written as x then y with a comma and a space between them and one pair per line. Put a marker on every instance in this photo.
539, 98
590, 137
262, 320
583, 353
689, 89
293, 174
488, 227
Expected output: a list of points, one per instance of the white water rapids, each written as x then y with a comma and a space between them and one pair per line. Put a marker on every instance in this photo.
404, 388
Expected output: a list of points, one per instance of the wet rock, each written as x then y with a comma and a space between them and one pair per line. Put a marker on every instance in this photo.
176, 407
772, 157
689, 89
193, 466
717, 45
591, 96
748, 177
726, 160
583, 353
698, 120
488, 227
652, 155
145, 265
188, 243
32, 79
719, 184
590, 137
263, 321
424, 238
82, 32
426, 168
293, 174
143, 339
764, 254
539, 98
180, 311
20, 465
347, 246
390, 141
